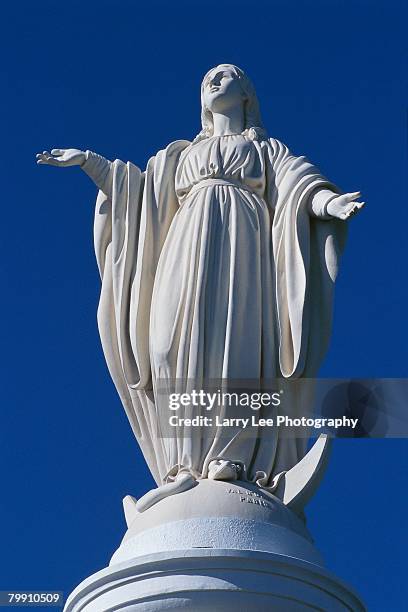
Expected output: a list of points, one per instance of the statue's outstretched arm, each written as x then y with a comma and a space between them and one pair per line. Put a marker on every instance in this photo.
97, 167
326, 204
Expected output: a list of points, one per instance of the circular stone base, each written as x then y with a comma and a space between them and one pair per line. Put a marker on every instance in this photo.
213, 580
220, 515
219, 546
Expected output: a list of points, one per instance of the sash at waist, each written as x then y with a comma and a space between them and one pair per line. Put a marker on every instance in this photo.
218, 181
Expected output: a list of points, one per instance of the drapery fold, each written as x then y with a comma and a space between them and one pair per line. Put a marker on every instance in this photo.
306, 254
134, 212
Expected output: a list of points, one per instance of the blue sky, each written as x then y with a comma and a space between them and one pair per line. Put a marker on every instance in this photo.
122, 78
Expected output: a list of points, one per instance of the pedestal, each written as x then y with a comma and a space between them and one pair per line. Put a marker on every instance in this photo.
220, 546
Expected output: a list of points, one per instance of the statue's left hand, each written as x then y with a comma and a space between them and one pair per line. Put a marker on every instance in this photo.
344, 206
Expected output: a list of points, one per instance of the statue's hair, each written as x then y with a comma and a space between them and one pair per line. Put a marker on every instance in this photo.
253, 126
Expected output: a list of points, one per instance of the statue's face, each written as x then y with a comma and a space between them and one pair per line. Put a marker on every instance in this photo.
222, 90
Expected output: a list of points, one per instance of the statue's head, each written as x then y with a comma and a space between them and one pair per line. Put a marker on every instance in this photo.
224, 87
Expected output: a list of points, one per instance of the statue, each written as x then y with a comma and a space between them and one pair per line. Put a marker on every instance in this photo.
217, 262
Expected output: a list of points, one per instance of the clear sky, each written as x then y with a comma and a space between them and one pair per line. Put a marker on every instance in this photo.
122, 78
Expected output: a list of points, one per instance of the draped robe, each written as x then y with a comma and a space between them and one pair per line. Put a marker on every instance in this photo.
141, 220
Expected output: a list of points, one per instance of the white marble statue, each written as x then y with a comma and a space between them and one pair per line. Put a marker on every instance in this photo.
218, 261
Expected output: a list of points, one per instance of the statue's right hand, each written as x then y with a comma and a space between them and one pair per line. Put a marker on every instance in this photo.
62, 157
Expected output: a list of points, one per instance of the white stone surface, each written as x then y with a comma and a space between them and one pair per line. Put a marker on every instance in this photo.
217, 262
189, 251
299, 484
213, 581
218, 514
129, 508
218, 546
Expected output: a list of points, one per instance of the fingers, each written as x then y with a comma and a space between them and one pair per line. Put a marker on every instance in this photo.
353, 210
46, 158
354, 195
44, 155
356, 207
57, 151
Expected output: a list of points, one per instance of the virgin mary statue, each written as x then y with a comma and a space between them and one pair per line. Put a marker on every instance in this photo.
217, 262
